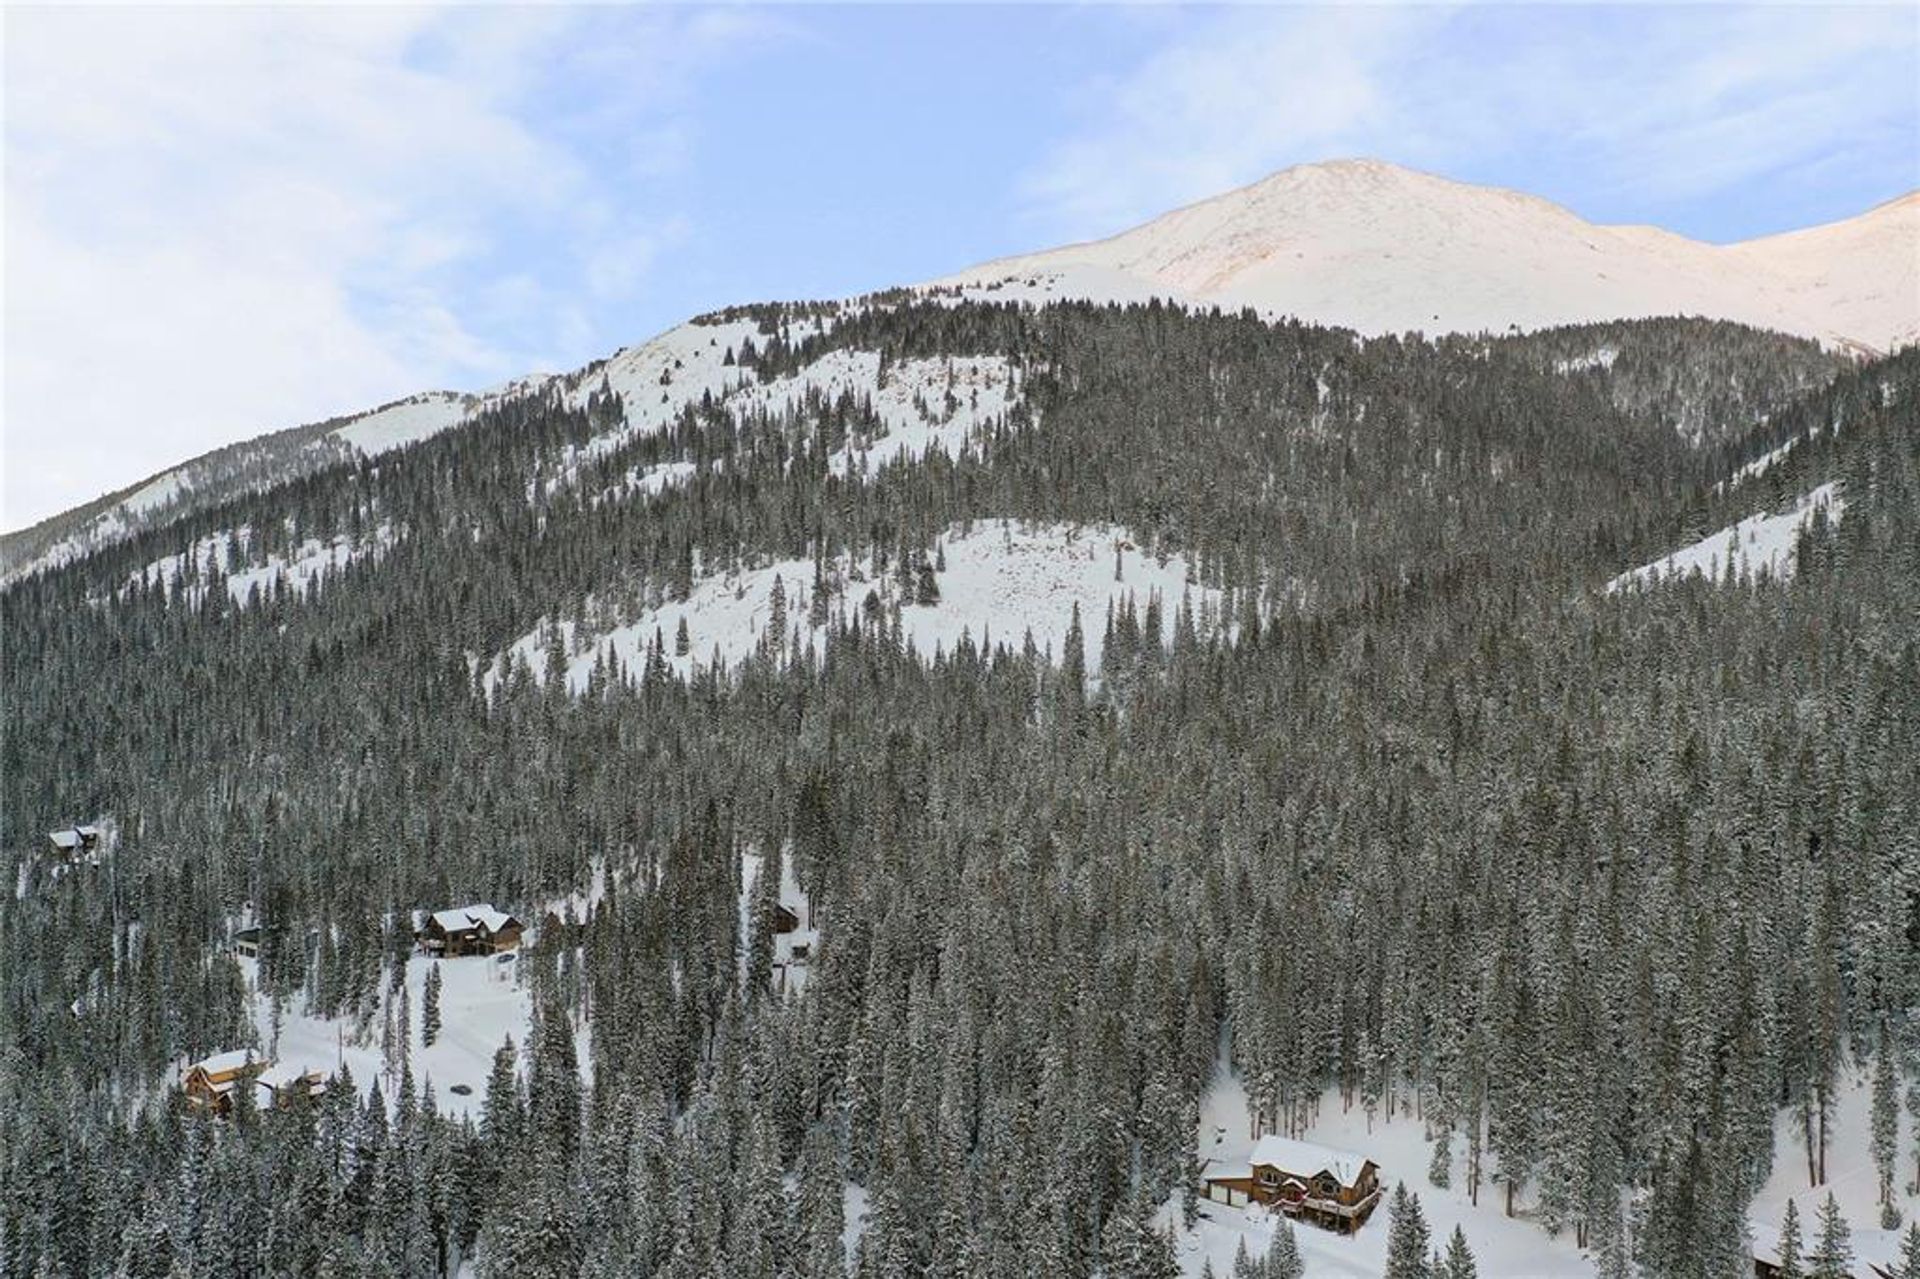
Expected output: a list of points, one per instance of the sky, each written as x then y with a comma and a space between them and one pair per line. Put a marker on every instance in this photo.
221, 221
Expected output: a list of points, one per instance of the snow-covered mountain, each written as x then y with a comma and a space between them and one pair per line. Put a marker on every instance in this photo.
1379, 248
1354, 243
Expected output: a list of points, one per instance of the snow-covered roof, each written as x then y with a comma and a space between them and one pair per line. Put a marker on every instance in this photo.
221, 1063
481, 915
1306, 1158
281, 1074
65, 838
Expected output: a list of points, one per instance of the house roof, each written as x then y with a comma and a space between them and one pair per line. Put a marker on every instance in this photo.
1305, 1158
281, 1074
481, 915
221, 1063
65, 838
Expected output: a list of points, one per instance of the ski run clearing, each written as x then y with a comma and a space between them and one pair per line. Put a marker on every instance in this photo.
1506, 1247
1003, 582
1760, 545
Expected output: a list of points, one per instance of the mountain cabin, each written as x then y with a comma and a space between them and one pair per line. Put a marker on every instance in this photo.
74, 840
469, 930
288, 1085
1329, 1188
209, 1084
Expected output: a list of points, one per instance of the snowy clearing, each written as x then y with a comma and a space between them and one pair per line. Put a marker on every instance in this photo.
411, 420
1503, 1246
1758, 544
1002, 581
481, 1003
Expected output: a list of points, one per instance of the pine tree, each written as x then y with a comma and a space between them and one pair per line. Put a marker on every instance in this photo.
430, 1006
1283, 1256
1459, 1263
1885, 1138
1406, 1237
1833, 1255
1910, 1253
1789, 1251
1440, 1166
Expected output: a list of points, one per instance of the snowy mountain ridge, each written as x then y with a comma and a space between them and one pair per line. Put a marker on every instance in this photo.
1375, 247
1355, 243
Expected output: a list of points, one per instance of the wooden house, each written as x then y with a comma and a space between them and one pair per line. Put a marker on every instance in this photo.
210, 1084
1329, 1188
469, 930
785, 919
282, 1086
246, 943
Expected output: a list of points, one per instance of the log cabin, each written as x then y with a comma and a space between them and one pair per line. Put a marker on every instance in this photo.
210, 1084
1329, 1188
282, 1086
469, 930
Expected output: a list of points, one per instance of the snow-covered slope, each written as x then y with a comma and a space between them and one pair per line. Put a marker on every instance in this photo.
1002, 582
1759, 544
1379, 248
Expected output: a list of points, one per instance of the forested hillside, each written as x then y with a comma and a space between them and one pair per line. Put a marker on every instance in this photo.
1411, 805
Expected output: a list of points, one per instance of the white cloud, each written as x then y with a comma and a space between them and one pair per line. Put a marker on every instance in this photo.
224, 220
1654, 103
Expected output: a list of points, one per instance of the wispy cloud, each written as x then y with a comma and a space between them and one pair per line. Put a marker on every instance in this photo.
224, 220
1632, 105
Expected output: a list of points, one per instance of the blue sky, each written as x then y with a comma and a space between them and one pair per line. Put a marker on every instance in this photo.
221, 221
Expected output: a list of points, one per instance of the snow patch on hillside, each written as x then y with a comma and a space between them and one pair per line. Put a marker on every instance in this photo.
1758, 544
408, 422
231, 552
1002, 581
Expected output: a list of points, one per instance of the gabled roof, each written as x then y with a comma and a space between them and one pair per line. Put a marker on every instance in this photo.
1306, 1159
481, 915
221, 1063
278, 1076
65, 838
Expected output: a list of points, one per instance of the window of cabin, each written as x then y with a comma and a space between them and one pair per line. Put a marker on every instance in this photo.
1268, 1177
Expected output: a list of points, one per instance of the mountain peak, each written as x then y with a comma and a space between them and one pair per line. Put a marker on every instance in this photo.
1375, 246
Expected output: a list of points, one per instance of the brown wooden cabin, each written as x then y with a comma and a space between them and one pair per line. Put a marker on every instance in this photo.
1329, 1188
282, 1086
246, 943
785, 920
210, 1084
469, 930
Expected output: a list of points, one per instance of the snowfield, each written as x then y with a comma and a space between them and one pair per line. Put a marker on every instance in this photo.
1002, 582
1381, 249
1759, 544
414, 419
